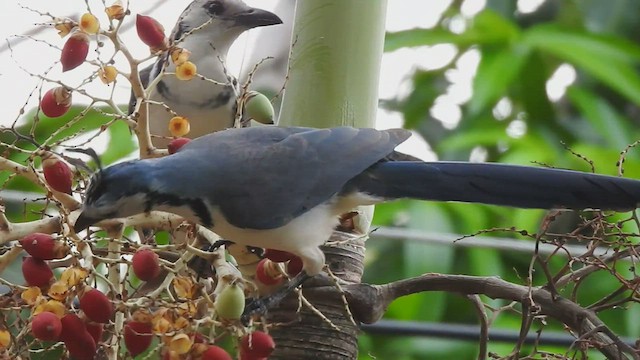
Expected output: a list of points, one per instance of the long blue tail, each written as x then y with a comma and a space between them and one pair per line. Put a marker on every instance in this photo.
499, 184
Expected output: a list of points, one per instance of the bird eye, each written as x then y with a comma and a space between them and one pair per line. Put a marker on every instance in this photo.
214, 7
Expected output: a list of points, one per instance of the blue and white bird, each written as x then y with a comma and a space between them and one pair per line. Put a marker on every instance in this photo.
285, 188
209, 106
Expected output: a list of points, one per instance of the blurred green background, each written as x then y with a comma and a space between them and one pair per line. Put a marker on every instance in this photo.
510, 117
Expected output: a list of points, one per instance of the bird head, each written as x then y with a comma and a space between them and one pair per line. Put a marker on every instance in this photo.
225, 18
119, 191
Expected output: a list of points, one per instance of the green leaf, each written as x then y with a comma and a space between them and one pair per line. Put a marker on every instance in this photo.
609, 59
488, 135
121, 143
605, 120
425, 91
487, 28
498, 69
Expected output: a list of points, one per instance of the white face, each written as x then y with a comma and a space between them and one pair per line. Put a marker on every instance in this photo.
201, 11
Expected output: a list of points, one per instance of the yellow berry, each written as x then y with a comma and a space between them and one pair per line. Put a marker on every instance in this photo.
161, 326
186, 71
115, 11
89, 23
179, 126
180, 343
64, 27
58, 290
179, 55
5, 339
53, 306
31, 295
108, 74
74, 275
184, 287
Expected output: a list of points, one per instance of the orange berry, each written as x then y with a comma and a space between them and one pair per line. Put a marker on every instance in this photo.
186, 71
56, 102
89, 23
179, 126
179, 55
75, 51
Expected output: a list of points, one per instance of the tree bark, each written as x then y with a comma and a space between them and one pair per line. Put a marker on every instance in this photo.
334, 68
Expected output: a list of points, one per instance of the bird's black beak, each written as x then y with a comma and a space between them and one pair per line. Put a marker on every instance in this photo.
83, 222
253, 17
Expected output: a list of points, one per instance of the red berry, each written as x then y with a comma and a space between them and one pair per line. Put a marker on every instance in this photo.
72, 326
76, 338
137, 337
96, 306
95, 330
215, 353
40, 246
294, 266
58, 174
146, 265
176, 144
56, 102
278, 255
74, 51
36, 272
257, 344
82, 346
46, 326
245, 356
151, 32
266, 274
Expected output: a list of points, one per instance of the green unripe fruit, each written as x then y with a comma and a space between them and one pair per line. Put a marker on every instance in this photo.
258, 107
229, 303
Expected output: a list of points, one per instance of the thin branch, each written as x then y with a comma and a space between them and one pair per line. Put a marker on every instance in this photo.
369, 302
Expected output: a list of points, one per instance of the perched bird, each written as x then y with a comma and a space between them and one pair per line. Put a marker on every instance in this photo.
285, 188
207, 105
